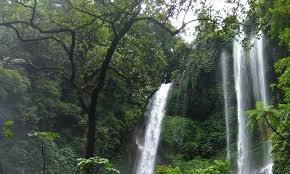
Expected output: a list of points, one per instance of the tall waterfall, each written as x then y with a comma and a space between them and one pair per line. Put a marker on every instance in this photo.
251, 86
257, 62
258, 71
242, 90
155, 112
226, 80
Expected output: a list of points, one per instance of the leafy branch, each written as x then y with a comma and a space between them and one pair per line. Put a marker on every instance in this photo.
96, 164
263, 112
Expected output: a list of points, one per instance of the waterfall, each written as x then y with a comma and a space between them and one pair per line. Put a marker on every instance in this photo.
260, 86
251, 86
155, 113
226, 80
258, 71
240, 75
268, 169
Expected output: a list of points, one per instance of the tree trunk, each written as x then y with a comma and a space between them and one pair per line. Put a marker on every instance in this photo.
91, 133
92, 115
43, 157
92, 118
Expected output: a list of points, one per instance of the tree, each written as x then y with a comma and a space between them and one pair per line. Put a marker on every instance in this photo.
89, 33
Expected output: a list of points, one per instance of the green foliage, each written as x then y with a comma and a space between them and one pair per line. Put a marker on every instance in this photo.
110, 131
62, 160
96, 164
214, 136
145, 55
228, 32
12, 83
182, 134
7, 129
191, 138
43, 103
282, 68
7, 133
8, 122
24, 156
188, 165
142, 57
280, 20
167, 170
45, 135
274, 16
280, 148
195, 90
216, 167
261, 114
279, 28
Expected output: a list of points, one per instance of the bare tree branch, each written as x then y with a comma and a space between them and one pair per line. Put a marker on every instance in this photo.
20, 37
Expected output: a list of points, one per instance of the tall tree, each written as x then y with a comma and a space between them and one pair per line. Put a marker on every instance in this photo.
88, 33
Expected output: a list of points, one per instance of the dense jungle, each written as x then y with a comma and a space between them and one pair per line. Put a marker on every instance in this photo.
119, 86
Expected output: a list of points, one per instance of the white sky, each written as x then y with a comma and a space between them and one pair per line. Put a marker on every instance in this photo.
220, 8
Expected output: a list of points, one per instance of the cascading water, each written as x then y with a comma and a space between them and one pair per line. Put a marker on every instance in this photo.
250, 80
257, 62
240, 75
268, 169
225, 78
258, 71
155, 112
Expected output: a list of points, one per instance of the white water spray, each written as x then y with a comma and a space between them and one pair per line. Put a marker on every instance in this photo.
155, 112
258, 64
241, 93
250, 81
258, 71
226, 80
266, 170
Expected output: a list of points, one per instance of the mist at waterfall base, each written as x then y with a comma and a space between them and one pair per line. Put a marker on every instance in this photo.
147, 148
251, 86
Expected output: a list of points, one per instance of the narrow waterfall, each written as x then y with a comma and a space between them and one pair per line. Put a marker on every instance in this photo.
240, 75
258, 72
260, 86
251, 86
155, 112
226, 80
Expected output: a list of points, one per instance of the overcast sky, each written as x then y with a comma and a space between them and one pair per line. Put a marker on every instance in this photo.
221, 6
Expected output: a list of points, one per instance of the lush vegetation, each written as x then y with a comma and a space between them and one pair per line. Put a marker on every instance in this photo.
273, 18
76, 76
